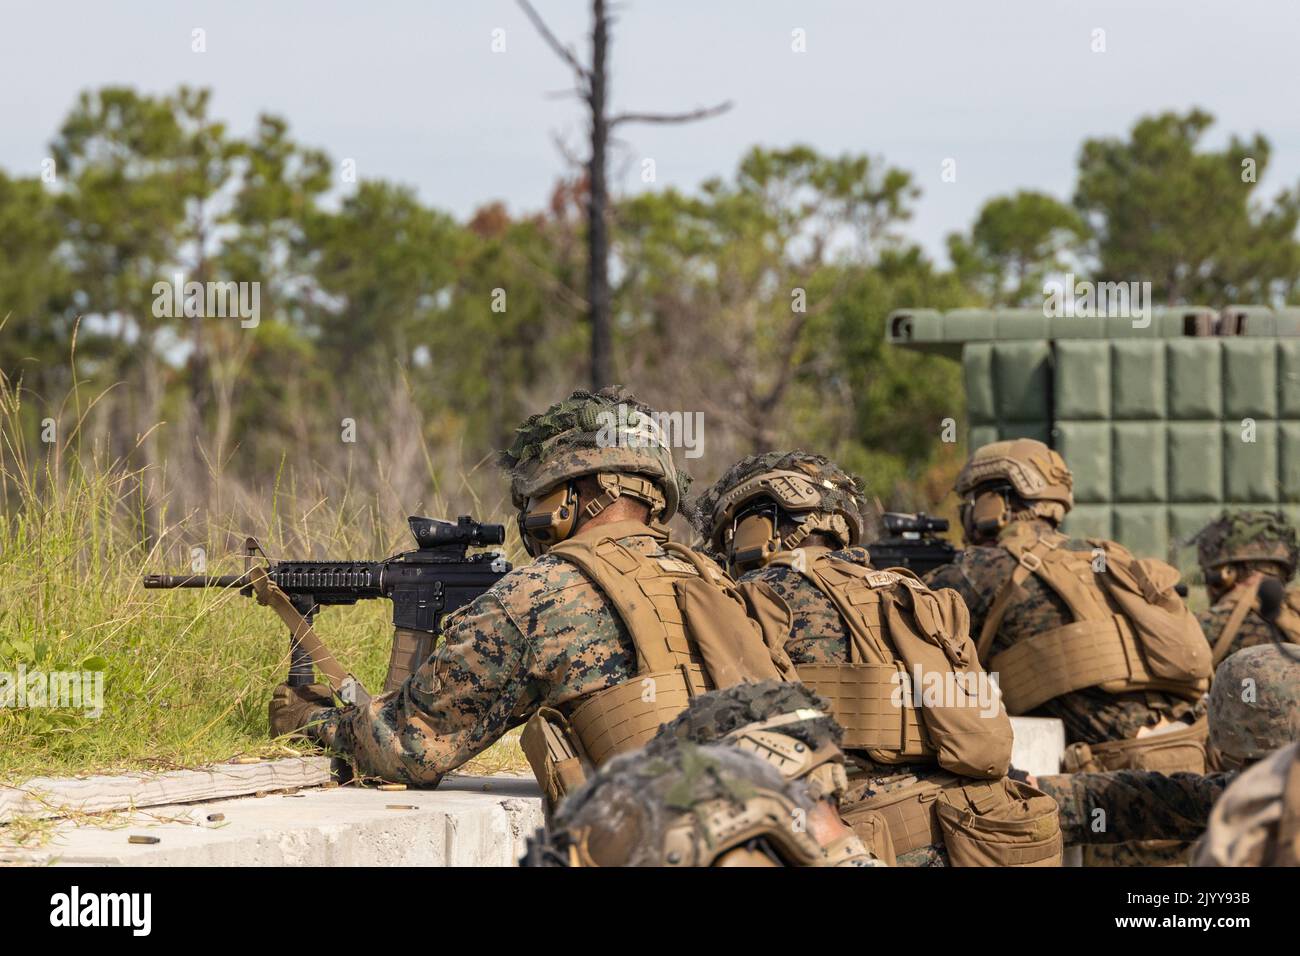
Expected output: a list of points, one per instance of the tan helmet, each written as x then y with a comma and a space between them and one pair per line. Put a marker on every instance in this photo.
1037, 474
684, 806
741, 516
1246, 537
606, 434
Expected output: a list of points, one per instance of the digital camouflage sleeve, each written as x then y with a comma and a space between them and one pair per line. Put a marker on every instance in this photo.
543, 636
1123, 806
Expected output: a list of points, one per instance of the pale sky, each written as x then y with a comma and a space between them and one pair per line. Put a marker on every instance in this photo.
413, 92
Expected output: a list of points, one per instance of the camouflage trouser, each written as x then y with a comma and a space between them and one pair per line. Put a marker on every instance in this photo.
933, 855
1145, 853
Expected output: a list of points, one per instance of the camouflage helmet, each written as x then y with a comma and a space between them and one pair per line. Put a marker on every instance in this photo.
813, 490
1248, 536
784, 722
1254, 703
1036, 473
684, 806
590, 433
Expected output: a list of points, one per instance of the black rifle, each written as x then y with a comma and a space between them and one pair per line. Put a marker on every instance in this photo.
424, 585
911, 541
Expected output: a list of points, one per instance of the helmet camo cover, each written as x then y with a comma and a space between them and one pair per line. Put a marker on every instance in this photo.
684, 805
1248, 536
587, 433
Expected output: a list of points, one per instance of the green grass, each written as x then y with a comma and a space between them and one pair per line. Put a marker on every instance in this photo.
186, 674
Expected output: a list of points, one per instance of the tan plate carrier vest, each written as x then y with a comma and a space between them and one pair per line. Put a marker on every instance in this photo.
691, 634
898, 626
1108, 644
1131, 632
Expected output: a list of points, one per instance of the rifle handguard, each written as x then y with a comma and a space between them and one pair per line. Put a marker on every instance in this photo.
345, 686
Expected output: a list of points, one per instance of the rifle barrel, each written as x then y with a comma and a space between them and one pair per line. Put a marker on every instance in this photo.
194, 581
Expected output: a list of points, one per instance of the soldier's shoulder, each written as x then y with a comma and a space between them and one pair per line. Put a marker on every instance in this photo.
857, 555
776, 575
545, 575
983, 557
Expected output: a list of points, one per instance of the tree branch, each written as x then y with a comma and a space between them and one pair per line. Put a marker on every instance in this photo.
562, 51
688, 117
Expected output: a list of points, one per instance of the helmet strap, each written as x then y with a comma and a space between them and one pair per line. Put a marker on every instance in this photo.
832, 525
615, 485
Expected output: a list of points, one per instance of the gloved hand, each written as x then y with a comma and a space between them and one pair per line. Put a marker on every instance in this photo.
293, 708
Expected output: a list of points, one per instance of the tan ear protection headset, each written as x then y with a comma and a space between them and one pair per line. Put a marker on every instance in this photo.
553, 517
754, 536
986, 512
549, 518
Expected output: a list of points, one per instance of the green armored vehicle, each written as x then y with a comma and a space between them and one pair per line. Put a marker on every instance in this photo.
1163, 425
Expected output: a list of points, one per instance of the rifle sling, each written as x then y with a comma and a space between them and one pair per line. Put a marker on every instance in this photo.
1245, 602
341, 682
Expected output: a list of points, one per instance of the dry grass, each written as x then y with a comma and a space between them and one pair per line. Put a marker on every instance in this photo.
186, 674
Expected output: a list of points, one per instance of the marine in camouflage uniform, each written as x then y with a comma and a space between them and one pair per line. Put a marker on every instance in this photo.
1254, 708
1236, 552
1020, 491
983, 568
818, 634
543, 636
694, 806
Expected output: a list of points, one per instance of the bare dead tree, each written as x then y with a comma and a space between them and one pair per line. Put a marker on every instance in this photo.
593, 88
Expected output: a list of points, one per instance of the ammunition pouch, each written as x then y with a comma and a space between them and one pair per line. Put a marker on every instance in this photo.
980, 823
1181, 750
555, 756
1004, 823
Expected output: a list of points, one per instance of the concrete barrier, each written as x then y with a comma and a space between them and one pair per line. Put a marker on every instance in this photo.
468, 821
